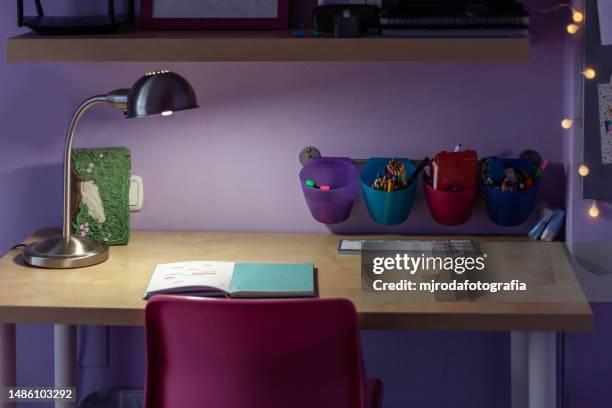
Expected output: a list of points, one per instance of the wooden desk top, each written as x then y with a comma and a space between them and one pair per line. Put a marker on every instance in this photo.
111, 293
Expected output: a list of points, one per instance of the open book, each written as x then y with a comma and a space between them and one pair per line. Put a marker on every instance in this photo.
233, 279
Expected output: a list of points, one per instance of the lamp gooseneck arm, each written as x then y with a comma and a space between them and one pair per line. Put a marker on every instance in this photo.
68, 157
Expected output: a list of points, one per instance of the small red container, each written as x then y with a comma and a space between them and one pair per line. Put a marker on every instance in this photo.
450, 207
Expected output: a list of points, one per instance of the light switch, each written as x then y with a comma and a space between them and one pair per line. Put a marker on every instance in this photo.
136, 193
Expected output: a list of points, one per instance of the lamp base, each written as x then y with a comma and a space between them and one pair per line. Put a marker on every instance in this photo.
61, 253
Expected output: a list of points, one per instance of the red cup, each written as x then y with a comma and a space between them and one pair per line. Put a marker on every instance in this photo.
450, 207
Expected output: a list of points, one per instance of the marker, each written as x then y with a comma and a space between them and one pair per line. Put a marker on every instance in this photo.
311, 183
537, 174
419, 169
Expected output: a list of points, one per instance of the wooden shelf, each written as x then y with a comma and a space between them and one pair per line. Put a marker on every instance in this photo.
259, 46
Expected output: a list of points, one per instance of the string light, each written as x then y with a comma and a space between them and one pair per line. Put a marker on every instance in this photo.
567, 123
577, 16
572, 28
594, 210
589, 73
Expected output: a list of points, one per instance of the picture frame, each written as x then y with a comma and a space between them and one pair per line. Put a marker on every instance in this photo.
214, 15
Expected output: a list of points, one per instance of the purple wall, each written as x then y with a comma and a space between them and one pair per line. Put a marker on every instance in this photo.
255, 118
581, 227
588, 357
205, 170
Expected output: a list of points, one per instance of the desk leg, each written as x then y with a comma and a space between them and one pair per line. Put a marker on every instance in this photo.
534, 370
519, 363
65, 359
8, 361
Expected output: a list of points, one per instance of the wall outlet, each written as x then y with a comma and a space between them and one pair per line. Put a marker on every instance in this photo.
136, 193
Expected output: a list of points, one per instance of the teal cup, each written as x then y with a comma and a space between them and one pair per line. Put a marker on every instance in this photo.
387, 208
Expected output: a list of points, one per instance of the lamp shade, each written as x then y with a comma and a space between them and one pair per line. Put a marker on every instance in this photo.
160, 92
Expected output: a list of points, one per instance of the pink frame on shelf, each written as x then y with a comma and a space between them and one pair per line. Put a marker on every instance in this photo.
147, 21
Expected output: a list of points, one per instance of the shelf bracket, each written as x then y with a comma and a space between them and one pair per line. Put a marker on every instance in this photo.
308, 153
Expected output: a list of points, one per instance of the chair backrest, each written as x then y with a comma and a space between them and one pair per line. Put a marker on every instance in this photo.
231, 353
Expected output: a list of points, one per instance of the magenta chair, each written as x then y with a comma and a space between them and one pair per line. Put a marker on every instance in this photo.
230, 353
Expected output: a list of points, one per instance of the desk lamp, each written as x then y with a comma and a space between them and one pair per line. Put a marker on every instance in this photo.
156, 93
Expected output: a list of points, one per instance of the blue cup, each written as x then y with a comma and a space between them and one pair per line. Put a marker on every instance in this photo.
512, 208
387, 208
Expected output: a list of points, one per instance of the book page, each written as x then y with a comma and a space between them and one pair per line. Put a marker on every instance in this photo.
195, 274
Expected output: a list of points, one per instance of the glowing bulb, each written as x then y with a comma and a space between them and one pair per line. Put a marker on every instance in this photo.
567, 123
583, 170
577, 16
572, 28
589, 73
167, 113
594, 210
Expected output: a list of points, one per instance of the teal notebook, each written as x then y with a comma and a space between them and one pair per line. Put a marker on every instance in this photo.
233, 279
254, 279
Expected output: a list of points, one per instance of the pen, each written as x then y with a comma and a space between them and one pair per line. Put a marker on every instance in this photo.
419, 169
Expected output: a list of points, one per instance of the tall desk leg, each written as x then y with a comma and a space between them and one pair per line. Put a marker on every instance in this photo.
8, 361
534, 369
65, 359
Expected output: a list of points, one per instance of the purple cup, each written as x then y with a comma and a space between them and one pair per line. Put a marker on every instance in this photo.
335, 205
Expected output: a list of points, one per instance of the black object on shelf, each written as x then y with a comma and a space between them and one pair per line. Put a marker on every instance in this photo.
454, 18
325, 17
74, 25
456, 14
347, 25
